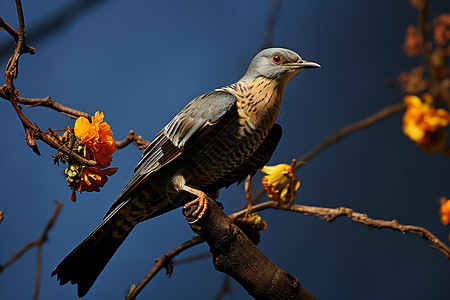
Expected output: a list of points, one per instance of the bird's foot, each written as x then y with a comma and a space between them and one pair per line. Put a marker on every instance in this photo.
201, 201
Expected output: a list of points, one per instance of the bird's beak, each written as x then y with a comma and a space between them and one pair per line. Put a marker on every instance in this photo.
303, 64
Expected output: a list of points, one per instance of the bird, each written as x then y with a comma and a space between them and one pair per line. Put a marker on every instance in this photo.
216, 140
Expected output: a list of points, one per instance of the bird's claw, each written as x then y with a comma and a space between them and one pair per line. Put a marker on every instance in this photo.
202, 202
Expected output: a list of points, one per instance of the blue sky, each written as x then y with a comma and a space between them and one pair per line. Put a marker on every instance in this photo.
141, 61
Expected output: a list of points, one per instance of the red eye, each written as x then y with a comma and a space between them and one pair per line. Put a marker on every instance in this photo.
276, 58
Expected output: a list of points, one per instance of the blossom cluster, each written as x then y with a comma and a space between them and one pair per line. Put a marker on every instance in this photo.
96, 143
424, 124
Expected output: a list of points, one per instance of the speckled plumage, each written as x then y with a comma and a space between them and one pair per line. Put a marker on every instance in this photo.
217, 139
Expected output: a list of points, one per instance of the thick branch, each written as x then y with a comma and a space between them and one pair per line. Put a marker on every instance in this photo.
330, 214
237, 256
38, 242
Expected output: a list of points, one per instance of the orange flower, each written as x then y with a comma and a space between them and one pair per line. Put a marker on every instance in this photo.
442, 29
280, 182
98, 139
97, 143
413, 42
423, 124
445, 211
92, 179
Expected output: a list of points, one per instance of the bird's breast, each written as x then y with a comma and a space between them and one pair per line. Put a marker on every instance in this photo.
237, 137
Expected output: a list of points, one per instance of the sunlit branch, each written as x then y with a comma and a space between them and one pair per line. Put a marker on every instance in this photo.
330, 214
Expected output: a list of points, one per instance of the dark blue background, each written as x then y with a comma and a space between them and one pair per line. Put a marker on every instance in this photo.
141, 61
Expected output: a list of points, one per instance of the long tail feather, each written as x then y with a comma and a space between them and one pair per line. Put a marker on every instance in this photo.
84, 264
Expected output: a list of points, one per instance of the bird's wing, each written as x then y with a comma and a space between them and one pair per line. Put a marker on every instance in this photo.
255, 162
184, 130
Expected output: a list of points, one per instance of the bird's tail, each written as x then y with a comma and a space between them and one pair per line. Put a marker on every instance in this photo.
85, 263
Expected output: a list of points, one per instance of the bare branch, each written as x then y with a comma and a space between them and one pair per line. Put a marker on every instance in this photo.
426, 45
37, 283
226, 288
1, 216
39, 241
362, 124
192, 258
56, 21
132, 136
275, 9
49, 102
160, 263
342, 133
15, 35
330, 214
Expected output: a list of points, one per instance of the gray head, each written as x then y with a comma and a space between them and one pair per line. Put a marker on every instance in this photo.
278, 64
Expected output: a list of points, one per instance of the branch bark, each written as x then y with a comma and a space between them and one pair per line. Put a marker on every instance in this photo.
135, 138
331, 214
235, 255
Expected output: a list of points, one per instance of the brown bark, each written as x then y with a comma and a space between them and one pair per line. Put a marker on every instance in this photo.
235, 255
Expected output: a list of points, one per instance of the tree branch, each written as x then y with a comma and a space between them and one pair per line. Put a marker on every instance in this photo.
330, 214
160, 263
275, 9
236, 255
132, 136
342, 133
38, 242
5, 26
49, 102
426, 45
226, 288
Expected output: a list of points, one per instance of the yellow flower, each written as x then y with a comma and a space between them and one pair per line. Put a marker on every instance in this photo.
423, 124
445, 211
92, 179
280, 182
98, 139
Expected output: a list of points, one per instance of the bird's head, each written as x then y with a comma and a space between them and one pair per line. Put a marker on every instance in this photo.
277, 64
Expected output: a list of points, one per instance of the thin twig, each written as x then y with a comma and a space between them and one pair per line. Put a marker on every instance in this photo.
37, 283
132, 136
330, 214
56, 21
49, 102
192, 258
160, 263
426, 45
1, 216
363, 124
275, 9
226, 288
342, 133
39, 241
5, 26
